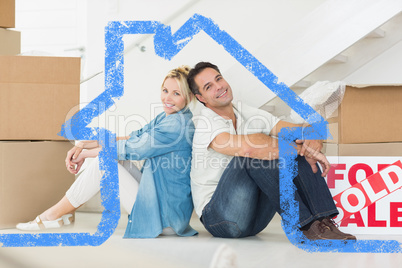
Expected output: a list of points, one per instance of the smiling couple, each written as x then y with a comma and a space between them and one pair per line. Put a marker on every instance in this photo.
236, 198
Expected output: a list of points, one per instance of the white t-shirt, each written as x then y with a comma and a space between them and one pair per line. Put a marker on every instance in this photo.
208, 165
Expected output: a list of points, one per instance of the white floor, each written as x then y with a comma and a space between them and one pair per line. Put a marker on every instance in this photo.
268, 249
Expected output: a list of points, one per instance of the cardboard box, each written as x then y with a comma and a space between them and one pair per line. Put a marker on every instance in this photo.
368, 114
33, 177
351, 164
10, 42
37, 95
362, 149
7, 13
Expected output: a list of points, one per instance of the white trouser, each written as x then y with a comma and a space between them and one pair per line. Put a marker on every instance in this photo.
88, 184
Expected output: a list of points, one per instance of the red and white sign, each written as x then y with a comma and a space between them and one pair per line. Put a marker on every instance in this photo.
367, 192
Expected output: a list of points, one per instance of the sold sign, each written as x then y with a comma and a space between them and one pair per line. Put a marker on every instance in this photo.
368, 191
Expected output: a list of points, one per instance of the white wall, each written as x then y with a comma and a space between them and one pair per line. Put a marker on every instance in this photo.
51, 27
54, 26
384, 69
251, 23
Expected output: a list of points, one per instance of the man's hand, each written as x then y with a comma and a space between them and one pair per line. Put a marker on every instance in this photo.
310, 147
320, 158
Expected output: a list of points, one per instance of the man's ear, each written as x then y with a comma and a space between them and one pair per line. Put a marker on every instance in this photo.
200, 98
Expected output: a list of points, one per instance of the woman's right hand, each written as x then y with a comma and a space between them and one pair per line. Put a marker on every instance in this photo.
72, 154
77, 165
76, 157
77, 149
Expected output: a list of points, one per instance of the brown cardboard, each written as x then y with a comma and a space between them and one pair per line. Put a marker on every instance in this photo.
7, 14
10, 42
33, 177
363, 149
369, 114
37, 95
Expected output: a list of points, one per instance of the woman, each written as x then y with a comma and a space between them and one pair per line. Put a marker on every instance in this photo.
162, 202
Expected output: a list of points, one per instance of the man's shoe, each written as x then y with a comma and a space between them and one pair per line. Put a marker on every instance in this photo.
334, 228
320, 231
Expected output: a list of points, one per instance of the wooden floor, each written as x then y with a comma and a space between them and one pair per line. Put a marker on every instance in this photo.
270, 248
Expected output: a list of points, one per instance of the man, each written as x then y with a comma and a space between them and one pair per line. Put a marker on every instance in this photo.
235, 167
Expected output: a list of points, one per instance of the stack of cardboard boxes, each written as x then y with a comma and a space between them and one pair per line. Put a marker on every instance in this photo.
367, 136
10, 40
37, 95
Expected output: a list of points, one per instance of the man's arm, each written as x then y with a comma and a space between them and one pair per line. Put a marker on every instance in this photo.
314, 145
257, 145
311, 149
262, 146
283, 124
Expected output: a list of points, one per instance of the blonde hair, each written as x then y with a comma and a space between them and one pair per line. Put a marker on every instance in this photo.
180, 75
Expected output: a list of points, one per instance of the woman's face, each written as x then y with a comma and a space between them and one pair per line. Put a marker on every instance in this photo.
171, 97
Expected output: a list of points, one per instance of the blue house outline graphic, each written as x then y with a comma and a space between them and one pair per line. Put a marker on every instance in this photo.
167, 45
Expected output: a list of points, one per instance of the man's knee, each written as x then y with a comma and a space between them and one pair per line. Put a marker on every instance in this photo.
231, 224
225, 229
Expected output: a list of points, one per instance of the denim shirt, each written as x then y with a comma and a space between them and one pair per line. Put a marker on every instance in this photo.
164, 195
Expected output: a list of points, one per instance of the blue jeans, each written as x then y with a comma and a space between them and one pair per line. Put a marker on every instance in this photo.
247, 197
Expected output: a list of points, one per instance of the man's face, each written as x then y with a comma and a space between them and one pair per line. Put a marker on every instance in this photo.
215, 91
